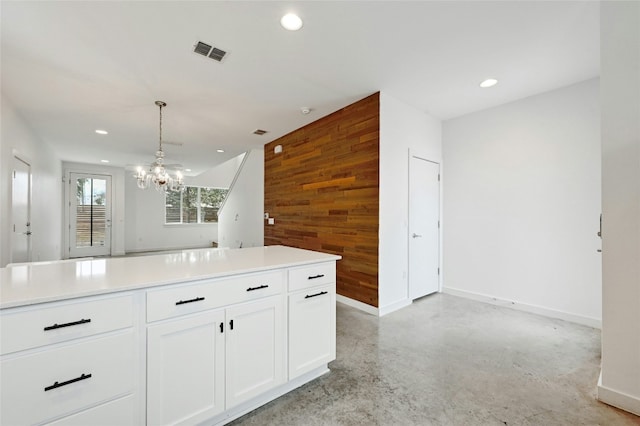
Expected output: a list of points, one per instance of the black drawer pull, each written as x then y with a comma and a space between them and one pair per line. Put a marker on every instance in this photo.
69, 324
316, 276
197, 299
317, 294
68, 382
257, 288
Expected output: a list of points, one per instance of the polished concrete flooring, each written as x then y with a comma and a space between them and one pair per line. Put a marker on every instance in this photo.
450, 361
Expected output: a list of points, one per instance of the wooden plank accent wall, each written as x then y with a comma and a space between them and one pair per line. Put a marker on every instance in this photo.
323, 192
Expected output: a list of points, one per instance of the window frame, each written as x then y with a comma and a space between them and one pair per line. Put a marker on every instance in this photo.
198, 204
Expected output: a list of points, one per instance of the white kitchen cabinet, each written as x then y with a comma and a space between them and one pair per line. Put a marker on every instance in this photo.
200, 338
200, 365
121, 412
255, 349
185, 369
67, 357
312, 329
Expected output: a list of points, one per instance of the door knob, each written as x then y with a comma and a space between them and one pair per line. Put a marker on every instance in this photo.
27, 233
416, 235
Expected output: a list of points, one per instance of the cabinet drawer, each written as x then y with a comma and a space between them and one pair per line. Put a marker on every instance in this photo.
120, 412
58, 322
197, 297
86, 374
312, 275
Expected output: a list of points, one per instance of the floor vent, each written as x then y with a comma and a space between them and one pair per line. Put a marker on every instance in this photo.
259, 132
209, 51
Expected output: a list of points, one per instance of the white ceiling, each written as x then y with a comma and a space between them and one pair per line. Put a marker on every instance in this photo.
72, 67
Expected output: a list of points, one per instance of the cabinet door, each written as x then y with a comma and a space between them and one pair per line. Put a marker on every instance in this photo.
255, 349
312, 329
185, 369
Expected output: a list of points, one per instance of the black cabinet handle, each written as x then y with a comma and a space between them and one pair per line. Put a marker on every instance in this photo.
69, 324
197, 299
316, 276
257, 288
68, 382
221, 327
231, 324
317, 294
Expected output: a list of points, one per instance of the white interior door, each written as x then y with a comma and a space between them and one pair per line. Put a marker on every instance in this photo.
89, 215
424, 224
21, 212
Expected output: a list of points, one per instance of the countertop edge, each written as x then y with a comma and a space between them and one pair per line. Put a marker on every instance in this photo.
31, 301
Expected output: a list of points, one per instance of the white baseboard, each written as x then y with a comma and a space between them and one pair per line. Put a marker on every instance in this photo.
357, 304
384, 310
552, 313
618, 399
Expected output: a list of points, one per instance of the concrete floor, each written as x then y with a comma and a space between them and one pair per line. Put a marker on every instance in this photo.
450, 361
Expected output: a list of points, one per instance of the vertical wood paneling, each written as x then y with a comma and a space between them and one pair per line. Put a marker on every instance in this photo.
322, 191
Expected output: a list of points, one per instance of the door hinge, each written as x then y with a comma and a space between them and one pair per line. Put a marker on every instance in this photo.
438, 271
438, 177
438, 224
14, 174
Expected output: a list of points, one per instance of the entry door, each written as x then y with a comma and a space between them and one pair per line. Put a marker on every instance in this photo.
89, 215
21, 211
424, 216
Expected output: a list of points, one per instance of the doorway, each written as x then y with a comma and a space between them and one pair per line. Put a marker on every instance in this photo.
21, 211
424, 227
89, 215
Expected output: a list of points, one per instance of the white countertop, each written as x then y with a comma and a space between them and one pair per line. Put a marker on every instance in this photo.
30, 284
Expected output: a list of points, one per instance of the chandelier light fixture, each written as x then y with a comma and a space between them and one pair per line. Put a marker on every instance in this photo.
162, 179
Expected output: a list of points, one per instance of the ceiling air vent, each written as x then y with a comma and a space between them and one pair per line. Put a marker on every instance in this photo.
209, 51
259, 132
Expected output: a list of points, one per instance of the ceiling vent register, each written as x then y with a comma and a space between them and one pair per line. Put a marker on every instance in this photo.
209, 51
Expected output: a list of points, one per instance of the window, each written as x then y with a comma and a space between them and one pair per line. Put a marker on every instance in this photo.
194, 205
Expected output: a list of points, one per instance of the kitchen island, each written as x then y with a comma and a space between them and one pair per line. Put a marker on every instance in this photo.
196, 337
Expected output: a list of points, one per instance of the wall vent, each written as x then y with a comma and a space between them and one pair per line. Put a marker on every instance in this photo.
209, 51
259, 132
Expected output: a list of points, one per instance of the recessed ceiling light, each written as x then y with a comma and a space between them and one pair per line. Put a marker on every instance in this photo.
219, 150
187, 170
291, 22
104, 161
102, 132
489, 82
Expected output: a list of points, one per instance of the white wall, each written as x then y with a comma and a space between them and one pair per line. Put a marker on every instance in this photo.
46, 197
117, 202
220, 176
241, 220
146, 230
145, 227
620, 97
522, 204
403, 128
